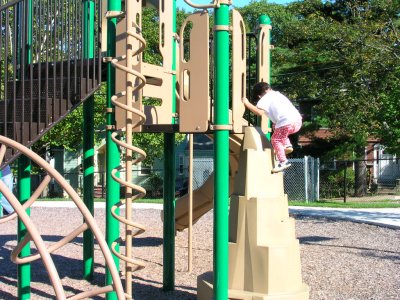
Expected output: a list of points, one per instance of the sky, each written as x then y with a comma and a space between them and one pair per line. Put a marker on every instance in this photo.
237, 3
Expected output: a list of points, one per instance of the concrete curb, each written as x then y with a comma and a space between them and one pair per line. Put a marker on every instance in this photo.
387, 217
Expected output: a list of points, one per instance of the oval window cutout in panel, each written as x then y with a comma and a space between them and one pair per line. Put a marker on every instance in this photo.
186, 85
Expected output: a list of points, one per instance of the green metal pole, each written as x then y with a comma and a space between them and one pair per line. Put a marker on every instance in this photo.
112, 155
221, 154
169, 213
24, 184
169, 183
174, 44
88, 141
24, 191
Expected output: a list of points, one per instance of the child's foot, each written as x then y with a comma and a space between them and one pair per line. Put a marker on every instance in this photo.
281, 166
288, 149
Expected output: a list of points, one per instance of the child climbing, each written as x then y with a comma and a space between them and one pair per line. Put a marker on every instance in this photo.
7, 178
286, 119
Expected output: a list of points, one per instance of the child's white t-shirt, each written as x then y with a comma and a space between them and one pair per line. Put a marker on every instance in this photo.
278, 108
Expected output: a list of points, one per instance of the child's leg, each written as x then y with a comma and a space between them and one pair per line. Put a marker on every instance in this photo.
288, 143
293, 128
3, 201
278, 141
288, 146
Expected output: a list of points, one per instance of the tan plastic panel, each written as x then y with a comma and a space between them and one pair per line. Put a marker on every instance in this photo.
166, 34
159, 78
103, 26
264, 46
163, 87
120, 76
239, 71
194, 103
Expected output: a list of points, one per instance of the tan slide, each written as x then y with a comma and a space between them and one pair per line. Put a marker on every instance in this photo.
203, 196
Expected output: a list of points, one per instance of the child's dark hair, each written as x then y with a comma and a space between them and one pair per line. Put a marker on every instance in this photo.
259, 89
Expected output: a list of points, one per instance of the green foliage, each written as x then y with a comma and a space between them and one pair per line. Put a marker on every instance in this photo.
343, 55
155, 182
356, 54
153, 144
332, 183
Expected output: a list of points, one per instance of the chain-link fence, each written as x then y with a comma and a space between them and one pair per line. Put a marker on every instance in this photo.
308, 179
301, 180
202, 169
149, 178
358, 178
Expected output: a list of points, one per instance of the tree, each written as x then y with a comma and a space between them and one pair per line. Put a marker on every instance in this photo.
345, 56
358, 56
347, 60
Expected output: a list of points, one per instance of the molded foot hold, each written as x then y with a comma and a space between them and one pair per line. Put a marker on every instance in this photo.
280, 167
288, 150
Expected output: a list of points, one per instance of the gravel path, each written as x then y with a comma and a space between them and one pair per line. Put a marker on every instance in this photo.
340, 260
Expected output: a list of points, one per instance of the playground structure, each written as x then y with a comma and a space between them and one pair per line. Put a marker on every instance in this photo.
129, 79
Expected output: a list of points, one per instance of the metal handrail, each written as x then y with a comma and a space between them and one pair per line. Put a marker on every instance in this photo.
9, 4
44, 74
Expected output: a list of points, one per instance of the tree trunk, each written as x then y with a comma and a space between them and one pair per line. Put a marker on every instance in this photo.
360, 180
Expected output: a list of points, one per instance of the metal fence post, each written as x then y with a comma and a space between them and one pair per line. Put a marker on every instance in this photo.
316, 179
305, 178
344, 182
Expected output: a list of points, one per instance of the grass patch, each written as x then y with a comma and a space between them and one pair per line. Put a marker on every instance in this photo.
150, 200
334, 204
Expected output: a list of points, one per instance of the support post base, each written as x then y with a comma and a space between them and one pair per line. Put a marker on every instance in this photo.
205, 292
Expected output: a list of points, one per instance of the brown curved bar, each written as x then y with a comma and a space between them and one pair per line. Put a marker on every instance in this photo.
43, 251
98, 291
32, 199
51, 249
36, 238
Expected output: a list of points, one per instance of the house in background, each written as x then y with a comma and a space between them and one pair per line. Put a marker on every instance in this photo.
203, 162
384, 168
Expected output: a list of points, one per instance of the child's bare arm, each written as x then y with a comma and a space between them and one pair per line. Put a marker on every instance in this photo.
254, 109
